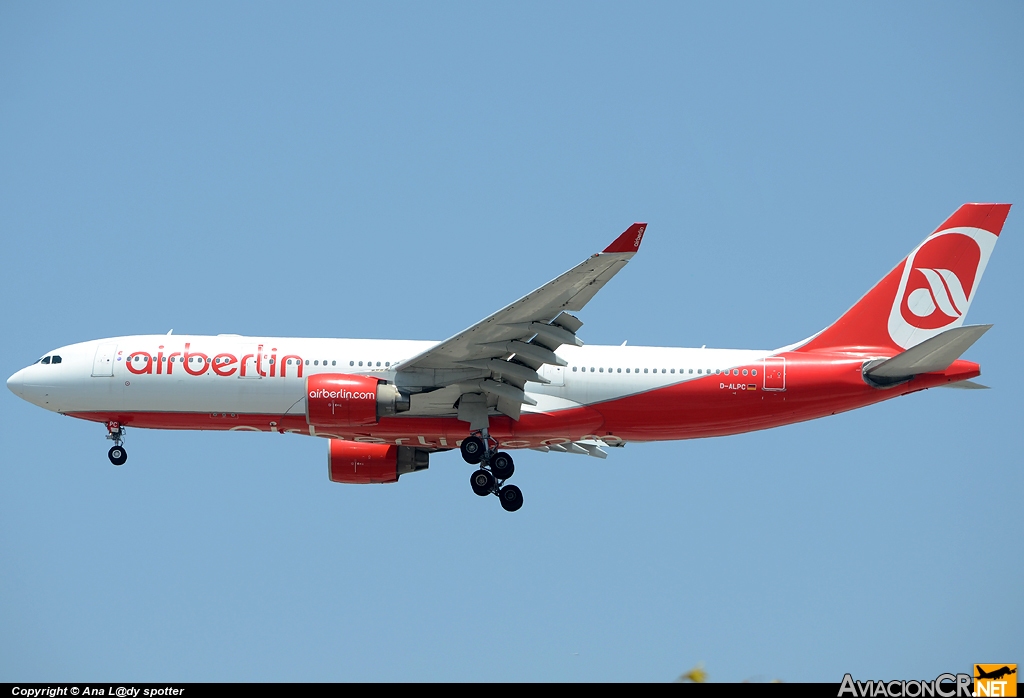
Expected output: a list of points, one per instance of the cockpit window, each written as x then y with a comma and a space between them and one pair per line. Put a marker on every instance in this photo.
46, 360
55, 360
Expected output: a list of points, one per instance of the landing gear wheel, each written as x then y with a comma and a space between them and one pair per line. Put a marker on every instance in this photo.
482, 482
511, 498
117, 455
502, 466
473, 450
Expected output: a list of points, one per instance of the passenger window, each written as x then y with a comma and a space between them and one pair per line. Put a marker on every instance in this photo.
672, 371
662, 370
627, 370
360, 363
46, 360
698, 371
574, 369
753, 372
601, 370
307, 362
316, 363
591, 369
618, 370
378, 363
387, 363
744, 372
645, 370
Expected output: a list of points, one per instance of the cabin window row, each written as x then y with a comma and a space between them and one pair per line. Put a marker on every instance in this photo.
699, 371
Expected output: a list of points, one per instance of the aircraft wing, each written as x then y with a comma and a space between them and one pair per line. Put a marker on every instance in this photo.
497, 356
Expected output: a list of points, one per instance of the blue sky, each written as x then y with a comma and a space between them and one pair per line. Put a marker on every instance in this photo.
403, 170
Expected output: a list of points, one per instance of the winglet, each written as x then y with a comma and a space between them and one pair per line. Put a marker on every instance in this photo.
629, 241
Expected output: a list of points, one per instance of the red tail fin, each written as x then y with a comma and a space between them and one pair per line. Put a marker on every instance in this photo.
928, 292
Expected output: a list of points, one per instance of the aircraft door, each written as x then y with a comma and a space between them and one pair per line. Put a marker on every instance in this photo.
103, 363
775, 373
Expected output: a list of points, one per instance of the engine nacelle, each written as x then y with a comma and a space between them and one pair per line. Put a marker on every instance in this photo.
362, 464
342, 400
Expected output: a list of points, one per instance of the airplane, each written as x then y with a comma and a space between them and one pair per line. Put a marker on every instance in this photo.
522, 378
995, 674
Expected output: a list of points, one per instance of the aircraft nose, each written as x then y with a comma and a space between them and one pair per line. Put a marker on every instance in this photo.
16, 383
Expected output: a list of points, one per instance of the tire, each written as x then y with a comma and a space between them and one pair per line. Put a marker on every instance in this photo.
482, 482
502, 466
117, 455
511, 498
473, 450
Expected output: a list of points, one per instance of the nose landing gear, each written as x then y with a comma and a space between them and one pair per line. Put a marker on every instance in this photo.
116, 454
495, 468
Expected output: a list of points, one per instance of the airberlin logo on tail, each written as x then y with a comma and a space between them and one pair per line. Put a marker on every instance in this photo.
936, 295
944, 293
938, 282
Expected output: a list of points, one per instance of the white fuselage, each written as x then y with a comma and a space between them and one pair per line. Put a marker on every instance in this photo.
229, 373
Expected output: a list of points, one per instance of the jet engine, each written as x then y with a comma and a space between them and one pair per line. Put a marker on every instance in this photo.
361, 463
341, 400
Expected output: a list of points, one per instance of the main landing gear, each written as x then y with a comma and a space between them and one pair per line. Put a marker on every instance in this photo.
495, 468
116, 454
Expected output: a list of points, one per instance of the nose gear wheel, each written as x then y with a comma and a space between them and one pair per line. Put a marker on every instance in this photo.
117, 454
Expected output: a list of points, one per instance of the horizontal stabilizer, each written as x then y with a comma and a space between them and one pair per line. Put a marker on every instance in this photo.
931, 355
965, 385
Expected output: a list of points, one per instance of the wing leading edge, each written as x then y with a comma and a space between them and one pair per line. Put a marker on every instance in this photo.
497, 356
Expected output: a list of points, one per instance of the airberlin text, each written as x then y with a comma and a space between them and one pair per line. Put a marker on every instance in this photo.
341, 394
196, 363
943, 686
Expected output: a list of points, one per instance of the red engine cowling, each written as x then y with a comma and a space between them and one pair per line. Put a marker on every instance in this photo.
362, 464
341, 400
